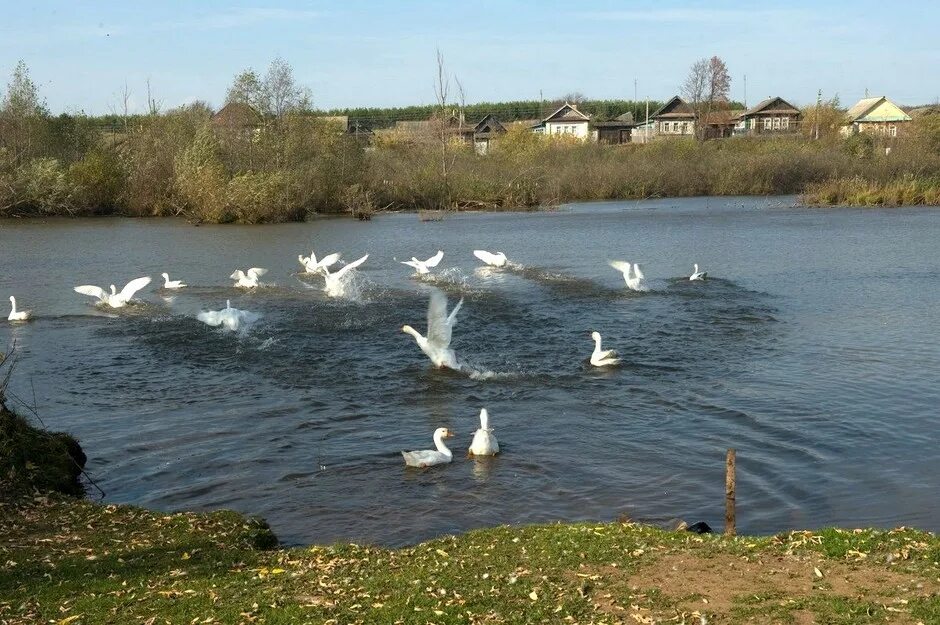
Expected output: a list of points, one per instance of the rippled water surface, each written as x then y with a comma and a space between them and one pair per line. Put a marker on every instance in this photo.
813, 350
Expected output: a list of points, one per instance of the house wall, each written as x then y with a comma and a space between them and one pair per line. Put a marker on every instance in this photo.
578, 129
674, 127
613, 135
888, 129
771, 123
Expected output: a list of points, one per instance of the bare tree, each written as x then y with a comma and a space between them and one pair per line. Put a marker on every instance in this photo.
441, 93
706, 89
282, 92
572, 97
125, 99
461, 105
276, 94
153, 105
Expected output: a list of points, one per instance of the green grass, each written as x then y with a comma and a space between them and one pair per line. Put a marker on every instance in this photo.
62, 558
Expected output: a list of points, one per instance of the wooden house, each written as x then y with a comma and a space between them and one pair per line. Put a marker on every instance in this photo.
567, 121
721, 123
771, 116
485, 131
675, 118
875, 115
617, 131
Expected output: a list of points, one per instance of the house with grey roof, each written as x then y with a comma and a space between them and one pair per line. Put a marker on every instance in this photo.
771, 116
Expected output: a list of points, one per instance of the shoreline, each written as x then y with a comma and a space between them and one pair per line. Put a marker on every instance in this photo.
66, 559
801, 200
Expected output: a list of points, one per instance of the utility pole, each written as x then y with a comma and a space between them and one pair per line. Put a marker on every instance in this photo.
541, 105
647, 125
818, 104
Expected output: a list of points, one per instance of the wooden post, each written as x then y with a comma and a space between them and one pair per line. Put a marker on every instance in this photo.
729, 494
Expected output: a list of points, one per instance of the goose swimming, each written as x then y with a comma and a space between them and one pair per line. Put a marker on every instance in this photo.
336, 282
423, 267
698, 275
638, 281
436, 345
114, 299
493, 260
248, 279
431, 457
312, 265
171, 284
602, 357
484, 441
17, 315
229, 318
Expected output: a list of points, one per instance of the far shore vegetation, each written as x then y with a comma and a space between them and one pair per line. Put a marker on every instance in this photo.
296, 161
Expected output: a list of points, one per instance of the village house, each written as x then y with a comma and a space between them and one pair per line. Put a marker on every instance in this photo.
616, 131
875, 115
771, 116
675, 118
566, 121
720, 123
237, 117
485, 131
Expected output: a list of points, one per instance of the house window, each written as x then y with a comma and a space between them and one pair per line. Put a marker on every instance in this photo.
893, 131
784, 123
768, 123
776, 123
675, 126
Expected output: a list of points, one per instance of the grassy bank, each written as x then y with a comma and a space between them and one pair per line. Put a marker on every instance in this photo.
69, 561
857, 191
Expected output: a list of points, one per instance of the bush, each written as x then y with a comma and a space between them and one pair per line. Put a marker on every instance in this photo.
260, 197
98, 180
200, 180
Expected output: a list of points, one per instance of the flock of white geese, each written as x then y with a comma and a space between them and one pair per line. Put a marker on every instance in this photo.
435, 345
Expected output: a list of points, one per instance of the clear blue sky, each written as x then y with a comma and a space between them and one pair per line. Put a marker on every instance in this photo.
369, 53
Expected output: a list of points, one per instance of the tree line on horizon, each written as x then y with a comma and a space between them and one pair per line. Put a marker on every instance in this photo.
179, 162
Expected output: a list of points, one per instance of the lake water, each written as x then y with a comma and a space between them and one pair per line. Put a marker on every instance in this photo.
813, 349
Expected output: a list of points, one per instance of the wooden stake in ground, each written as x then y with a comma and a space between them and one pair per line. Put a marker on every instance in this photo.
729, 494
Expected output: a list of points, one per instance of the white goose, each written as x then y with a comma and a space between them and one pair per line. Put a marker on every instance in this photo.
431, 457
484, 441
171, 284
229, 318
312, 265
698, 275
336, 282
114, 299
436, 345
423, 267
17, 315
602, 357
638, 281
248, 279
493, 260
